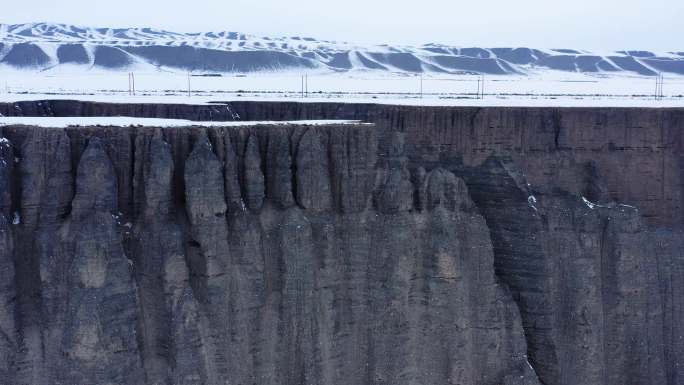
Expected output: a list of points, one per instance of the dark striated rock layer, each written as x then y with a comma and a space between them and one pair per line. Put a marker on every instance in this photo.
438, 246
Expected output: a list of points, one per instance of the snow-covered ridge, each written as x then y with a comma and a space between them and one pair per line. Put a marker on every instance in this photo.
44, 46
223, 40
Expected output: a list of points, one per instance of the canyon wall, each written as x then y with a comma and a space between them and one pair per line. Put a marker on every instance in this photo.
434, 246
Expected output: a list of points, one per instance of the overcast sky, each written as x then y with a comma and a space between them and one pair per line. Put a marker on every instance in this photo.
584, 24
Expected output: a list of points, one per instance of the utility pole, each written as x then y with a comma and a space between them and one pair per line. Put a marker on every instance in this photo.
306, 85
133, 82
421, 85
483, 86
659, 87
478, 87
129, 85
189, 86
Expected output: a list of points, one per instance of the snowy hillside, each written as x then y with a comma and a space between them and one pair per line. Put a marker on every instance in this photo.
42, 46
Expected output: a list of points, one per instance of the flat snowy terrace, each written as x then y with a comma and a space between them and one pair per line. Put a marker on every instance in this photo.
122, 121
490, 101
547, 89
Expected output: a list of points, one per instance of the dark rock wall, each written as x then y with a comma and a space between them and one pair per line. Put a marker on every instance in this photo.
266, 255
625, 145
440, 246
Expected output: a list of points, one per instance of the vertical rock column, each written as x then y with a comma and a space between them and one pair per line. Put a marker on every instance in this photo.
209, 255
173, 329
7, 277
516, 230
98, 340
279, 170
314, 196
343, 239
253, 183
6, 168
292, 266
314, 192
354, 154
246, 271
232, 177
206, 209
299, 364
469, 326
633, 311
670, 251
394, 247
47, 181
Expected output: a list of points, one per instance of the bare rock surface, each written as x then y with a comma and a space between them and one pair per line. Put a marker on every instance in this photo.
438, 246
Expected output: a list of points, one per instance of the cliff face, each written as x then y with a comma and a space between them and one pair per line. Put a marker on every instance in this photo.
552, 146
439, 246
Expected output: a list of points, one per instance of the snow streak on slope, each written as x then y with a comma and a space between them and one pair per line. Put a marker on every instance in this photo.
41, 46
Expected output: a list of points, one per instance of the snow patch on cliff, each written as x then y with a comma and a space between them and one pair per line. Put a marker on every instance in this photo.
123, 121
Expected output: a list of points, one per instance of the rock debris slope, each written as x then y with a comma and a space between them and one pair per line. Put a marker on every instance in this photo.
438, 246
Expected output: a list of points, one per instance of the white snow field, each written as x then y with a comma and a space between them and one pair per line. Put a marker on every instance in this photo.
548, 88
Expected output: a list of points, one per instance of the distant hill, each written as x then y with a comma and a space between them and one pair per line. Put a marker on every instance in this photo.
40, 46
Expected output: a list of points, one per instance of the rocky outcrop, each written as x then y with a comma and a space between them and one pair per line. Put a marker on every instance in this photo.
171, 324
586, 278
315, 283
8, 336
279, 169
92, 309
8, 342
625, 145
313, 173
438, 246
6, 171
253, 176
